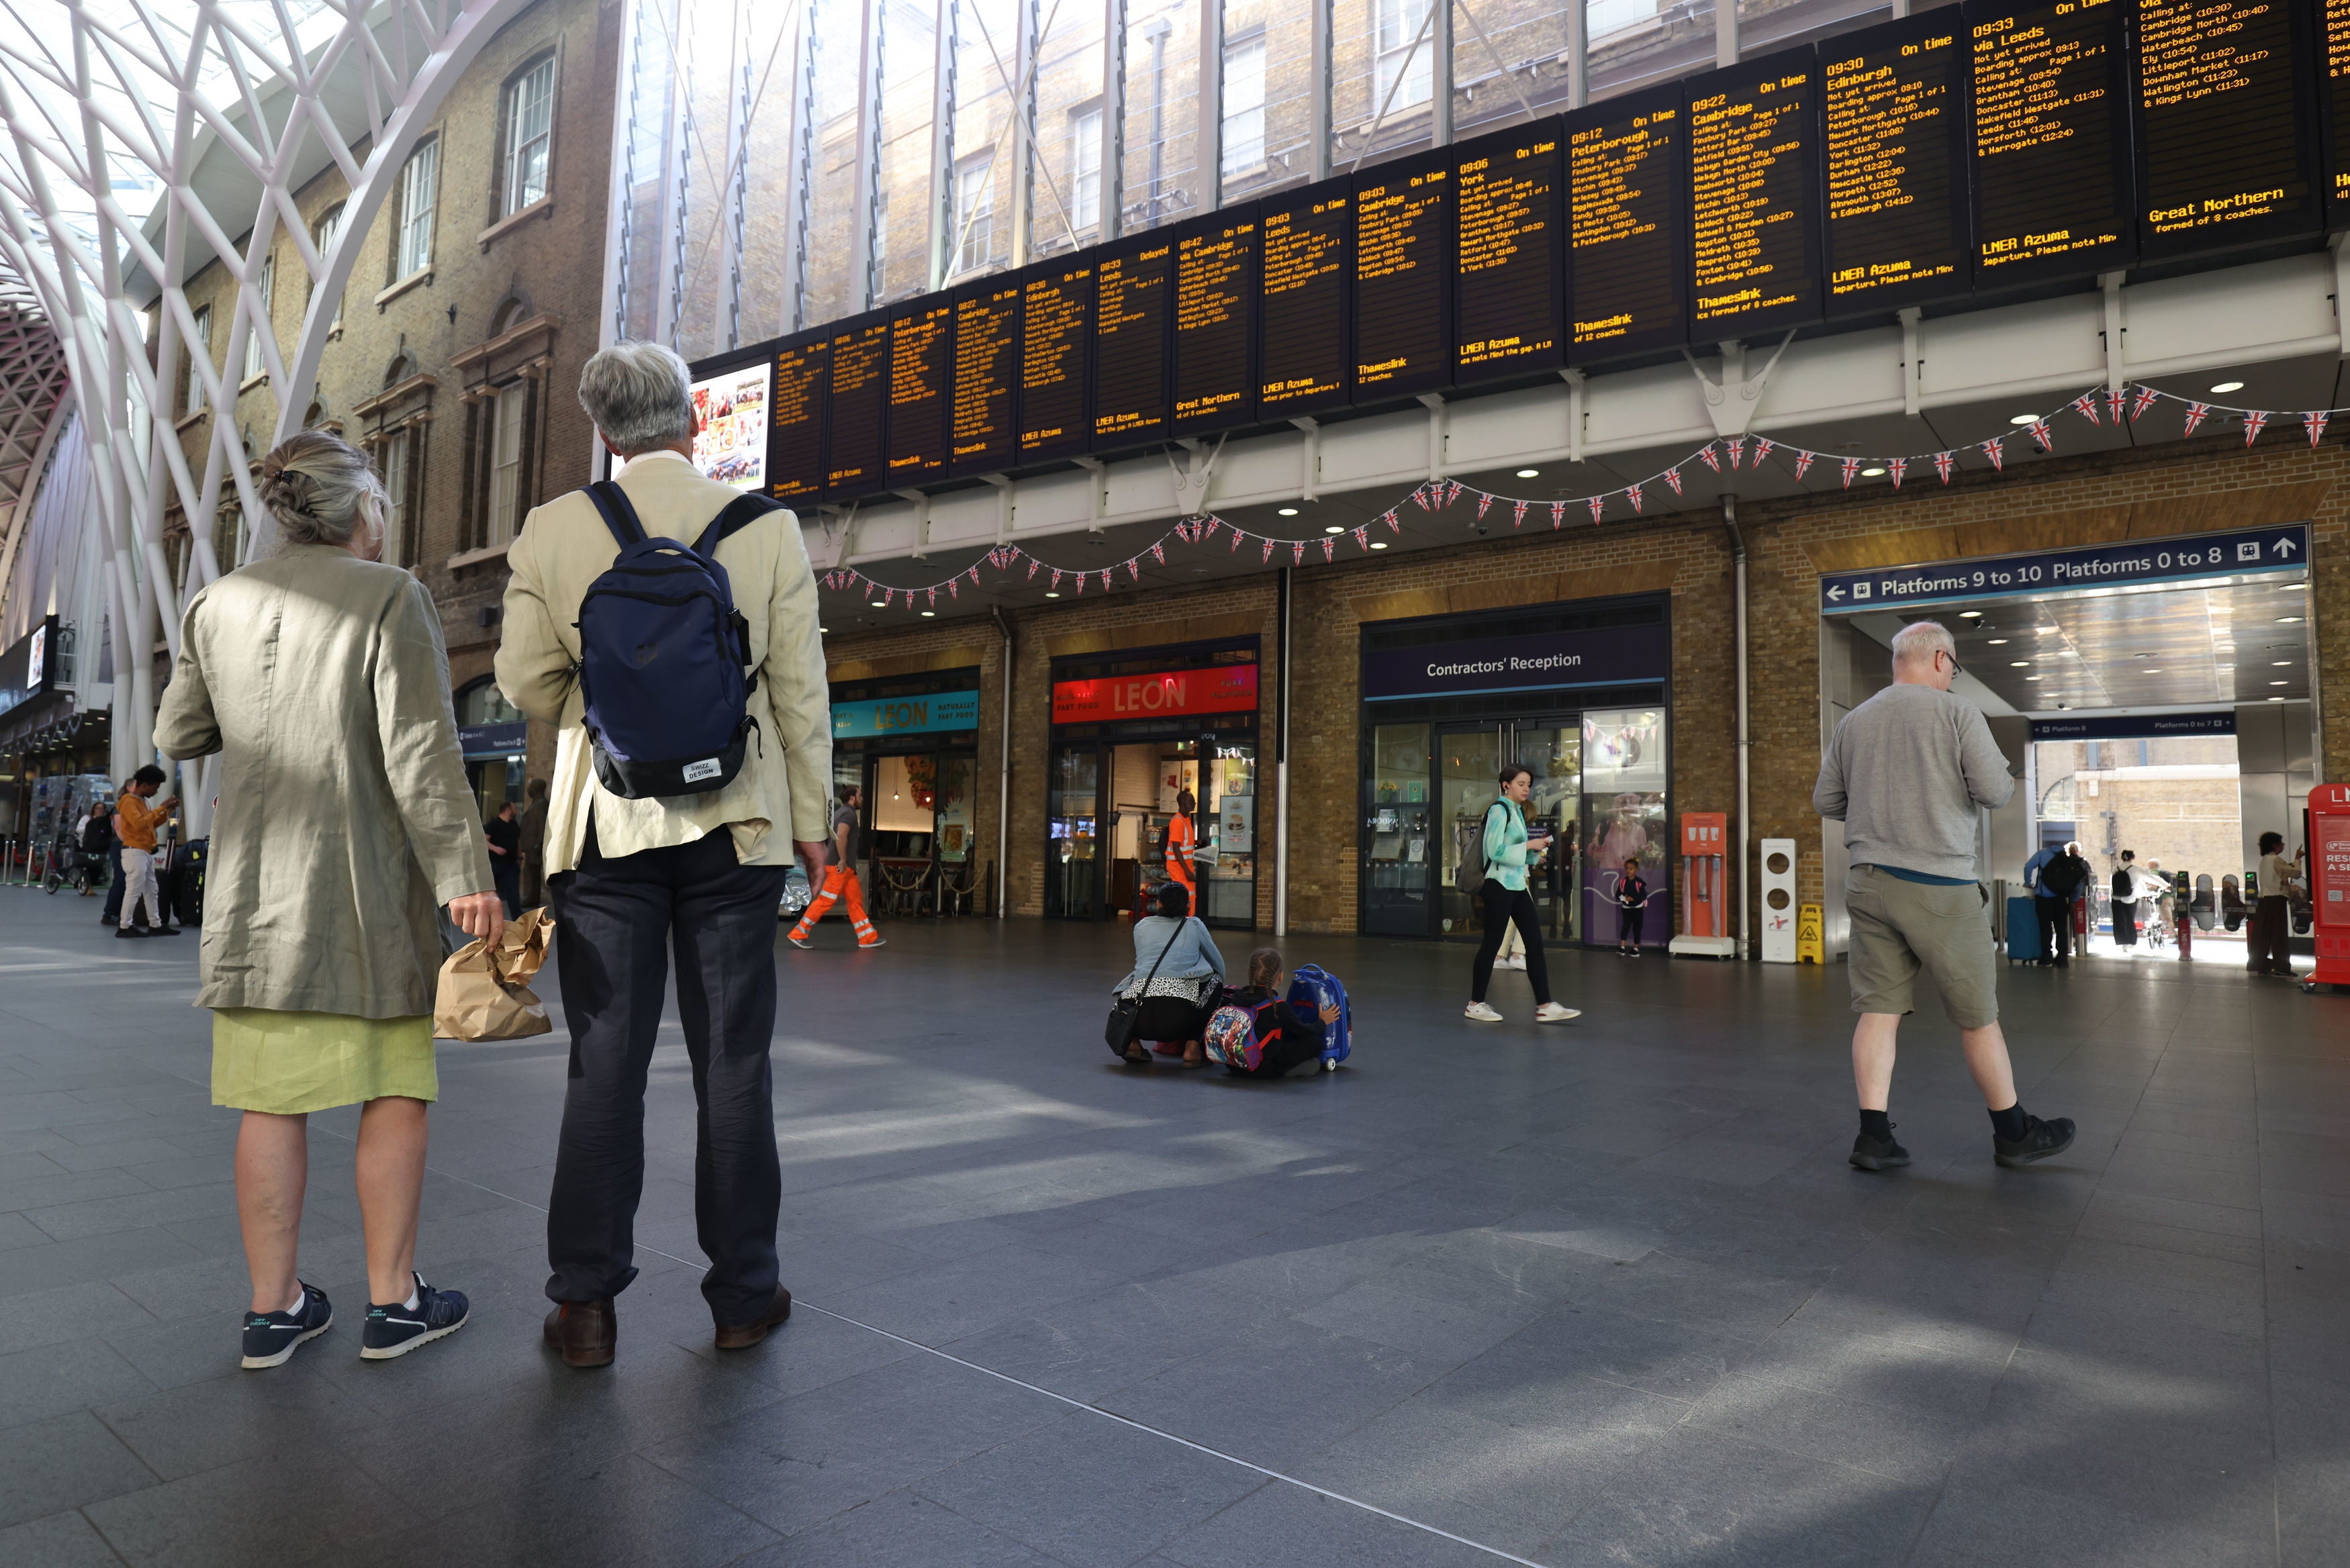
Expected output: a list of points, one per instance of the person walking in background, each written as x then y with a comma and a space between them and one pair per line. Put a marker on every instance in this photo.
2057, 878
839, 879
2124, 903
344, 821
2269, 949
1904, 774
534, 842
1183, 836
503, 833
137, 817
1508, 848
629, 877
99, 849
111, 915
1631, 909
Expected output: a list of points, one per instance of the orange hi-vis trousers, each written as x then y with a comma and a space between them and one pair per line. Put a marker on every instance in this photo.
839, 882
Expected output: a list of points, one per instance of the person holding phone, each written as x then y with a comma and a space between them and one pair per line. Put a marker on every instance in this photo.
1510, 847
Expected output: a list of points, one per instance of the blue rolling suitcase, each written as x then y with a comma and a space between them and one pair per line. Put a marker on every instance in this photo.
2024, 945
1310, 989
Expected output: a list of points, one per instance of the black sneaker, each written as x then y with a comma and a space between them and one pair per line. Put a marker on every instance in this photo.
1877, 1153
270, 1337
396, 1329
122, 931
2040, 1140
162, 930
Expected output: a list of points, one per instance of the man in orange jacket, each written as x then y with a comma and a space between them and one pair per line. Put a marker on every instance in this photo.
839, 879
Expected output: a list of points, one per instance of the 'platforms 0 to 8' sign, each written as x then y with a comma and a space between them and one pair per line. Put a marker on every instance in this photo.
1225, 689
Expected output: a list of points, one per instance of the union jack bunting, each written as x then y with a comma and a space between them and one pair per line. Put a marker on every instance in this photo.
1803, 459
1055, 586
1363, 537
1104, 577
1557, 513
1329, 547
1452, 488
1764, 447
2085, 405
1420, 495
1995, 449
1518, 514
1298, 553
2040, 433
1159, 554
2254, 422
1081, 583
2141, 401
1133, 570
1268, 553
1485, 500
934, 595
1596, 503
1851, 467
975, 577
1737, 450
1390, 518
1673, 478
954, 589
1633, 491
1898, 465
2315, 422
2195, 415
1034, 566
1705, 455
1943, 463
1237, 537
2114, 400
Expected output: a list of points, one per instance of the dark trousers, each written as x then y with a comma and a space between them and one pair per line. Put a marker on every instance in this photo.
2269, 949
114, 885
615, 922
1503, 905
1281, 1054
1628, 921
2055, 928
509, 880
2126, 924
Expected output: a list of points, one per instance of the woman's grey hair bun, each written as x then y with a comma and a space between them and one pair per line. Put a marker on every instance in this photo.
321, 490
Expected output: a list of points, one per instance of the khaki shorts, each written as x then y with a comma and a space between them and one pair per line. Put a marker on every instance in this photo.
1900, 926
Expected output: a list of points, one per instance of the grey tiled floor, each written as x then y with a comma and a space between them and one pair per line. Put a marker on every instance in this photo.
1600, 1295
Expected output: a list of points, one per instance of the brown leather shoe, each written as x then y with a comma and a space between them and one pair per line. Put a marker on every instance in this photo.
744, 1336
584, 1332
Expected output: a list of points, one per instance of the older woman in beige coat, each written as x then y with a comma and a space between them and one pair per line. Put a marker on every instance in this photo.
344, 820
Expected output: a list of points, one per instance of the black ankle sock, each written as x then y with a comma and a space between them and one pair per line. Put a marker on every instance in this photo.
1873, 1125
2010, 1123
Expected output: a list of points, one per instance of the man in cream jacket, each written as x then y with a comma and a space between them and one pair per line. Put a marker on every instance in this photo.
627, 880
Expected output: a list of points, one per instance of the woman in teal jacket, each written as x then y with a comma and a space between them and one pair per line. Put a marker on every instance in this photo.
1508, 849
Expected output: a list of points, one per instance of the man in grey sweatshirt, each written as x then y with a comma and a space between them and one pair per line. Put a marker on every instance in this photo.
1905, 772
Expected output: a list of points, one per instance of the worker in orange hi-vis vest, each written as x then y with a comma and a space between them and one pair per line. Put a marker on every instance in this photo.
1180, 836
840, 877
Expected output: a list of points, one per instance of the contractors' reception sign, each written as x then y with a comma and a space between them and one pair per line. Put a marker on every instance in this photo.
1221, 689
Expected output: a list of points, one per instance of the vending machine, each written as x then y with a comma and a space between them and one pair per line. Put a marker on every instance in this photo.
1705, 892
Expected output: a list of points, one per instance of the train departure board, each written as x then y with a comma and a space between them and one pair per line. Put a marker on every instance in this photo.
1403, 282
984, 438
1134, 290
922, 344
2050, 139
2226, 145
1509, 253
854, 451
1056, 320
1896, 166
1754, 195
1625, 227
795, 436
2334, 102
1308, 351
1216, 321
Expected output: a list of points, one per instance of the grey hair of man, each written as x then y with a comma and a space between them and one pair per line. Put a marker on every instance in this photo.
319, 489
1916, 643
641, 396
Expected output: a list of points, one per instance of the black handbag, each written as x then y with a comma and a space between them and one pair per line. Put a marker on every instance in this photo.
1126, 1013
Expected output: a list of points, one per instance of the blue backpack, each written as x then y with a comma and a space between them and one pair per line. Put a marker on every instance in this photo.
665, 657
1311, 989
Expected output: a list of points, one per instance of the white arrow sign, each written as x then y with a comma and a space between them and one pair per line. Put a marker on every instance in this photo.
2286, 546
1835, 593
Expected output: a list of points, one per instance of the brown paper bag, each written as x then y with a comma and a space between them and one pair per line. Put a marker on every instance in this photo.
484, 994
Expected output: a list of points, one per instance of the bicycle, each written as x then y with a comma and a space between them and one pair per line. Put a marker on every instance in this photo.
83, 874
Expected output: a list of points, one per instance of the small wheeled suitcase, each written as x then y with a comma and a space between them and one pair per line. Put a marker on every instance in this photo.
2023, 944
1311, 989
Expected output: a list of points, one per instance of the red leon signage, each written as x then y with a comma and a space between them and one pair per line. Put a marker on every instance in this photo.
1225, 689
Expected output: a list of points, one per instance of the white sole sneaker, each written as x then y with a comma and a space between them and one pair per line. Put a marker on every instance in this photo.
1478, 1012
256, 1363
1553, 1014
388, 1352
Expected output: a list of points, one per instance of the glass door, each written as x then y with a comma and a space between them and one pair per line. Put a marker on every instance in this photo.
1073, 858
1625, 778
1470, 762
1553, 750
1401, 855
1227, 851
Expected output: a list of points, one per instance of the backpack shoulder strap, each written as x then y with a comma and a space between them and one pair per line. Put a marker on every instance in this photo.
738, 515
611, 503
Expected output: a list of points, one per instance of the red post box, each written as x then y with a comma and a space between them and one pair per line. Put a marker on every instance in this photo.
2329, 883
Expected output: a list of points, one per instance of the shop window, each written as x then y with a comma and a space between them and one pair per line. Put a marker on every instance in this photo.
529, 129
417, 198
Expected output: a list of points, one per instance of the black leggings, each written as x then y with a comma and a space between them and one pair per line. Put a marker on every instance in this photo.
1503, 905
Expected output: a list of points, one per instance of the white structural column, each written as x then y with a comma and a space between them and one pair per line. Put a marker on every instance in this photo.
1210, 139
228, 106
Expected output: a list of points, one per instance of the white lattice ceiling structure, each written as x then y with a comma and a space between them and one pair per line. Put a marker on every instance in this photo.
33, 386
139, 140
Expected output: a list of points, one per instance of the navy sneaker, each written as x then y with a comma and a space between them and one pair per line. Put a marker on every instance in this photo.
396, 1329
270, 1337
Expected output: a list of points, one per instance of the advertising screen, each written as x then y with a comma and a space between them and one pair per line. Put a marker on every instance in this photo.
730, 426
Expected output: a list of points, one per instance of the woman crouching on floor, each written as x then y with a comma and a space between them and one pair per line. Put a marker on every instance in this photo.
1177, 974
1256, 1033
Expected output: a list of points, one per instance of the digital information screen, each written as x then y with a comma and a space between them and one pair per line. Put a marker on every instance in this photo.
1403, 285
796, 437
1135, 287
1304, 320
1897, 170
1755, 189
730, 426
1509, 254
2225, 147
2050, 132
986, 375
1056, 321
2333, 101
1216, 323
854, 453
1625, 231
920, 342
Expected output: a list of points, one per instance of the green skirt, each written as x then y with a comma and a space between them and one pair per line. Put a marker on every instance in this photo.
287, 1063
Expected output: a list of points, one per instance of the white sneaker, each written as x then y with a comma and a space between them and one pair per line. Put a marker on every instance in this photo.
1515, 960
1552, 1012
1480, 1012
